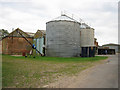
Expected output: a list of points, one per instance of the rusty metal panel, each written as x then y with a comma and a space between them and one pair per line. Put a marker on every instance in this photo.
15, 45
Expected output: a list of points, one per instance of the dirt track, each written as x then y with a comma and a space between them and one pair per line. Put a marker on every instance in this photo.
100, 76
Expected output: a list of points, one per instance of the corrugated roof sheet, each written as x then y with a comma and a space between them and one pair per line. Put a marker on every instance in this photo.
39, 33
31, 34
111, 44
43, 31
16, 34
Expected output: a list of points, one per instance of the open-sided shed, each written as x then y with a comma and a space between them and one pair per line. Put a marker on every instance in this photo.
113, 46
105, 51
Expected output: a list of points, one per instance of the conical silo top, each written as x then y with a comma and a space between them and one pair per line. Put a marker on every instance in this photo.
84, 25
64, 17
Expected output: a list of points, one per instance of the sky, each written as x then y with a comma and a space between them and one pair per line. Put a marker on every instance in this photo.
31, 15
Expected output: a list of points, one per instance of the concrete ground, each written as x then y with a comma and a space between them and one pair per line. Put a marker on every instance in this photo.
100, 76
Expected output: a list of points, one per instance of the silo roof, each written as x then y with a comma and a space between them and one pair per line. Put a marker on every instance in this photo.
84, 25
64, 17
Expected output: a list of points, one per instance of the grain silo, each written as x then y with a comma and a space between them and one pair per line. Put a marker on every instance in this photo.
63, 37
87, 41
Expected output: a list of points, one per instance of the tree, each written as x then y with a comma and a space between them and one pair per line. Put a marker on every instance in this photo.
3, 33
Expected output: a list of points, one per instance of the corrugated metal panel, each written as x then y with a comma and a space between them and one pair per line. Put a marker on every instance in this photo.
87, 37
40, 33
16, 34
16, 45
39, 42
63, 39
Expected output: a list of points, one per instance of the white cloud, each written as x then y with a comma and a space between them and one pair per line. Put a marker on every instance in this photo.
33, 14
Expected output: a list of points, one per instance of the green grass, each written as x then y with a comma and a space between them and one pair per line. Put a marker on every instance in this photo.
39, 71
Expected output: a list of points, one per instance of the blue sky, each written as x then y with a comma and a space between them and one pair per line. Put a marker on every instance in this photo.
31, 15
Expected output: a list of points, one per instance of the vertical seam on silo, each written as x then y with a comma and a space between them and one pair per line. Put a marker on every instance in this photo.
74, 39
58, 43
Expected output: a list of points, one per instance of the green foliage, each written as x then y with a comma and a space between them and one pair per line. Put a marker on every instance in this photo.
3, 33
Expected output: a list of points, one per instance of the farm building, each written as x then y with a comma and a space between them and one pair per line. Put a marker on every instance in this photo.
105, 51
30, 34
39, 41
66, 37
96, 45
14, 43
113, 46
87, 41
95, 42
63, 37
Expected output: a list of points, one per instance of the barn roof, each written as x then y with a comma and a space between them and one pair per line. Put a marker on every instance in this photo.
111, 44
16, 34
40, 33
31, 34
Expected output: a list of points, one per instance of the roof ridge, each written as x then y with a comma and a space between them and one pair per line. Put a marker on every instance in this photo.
19, 30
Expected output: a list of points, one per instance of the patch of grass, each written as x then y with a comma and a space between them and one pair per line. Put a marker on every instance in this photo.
58, 59
36, 72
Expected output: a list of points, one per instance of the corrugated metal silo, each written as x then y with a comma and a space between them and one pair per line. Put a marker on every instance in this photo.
87, 36
87, 40
63, 37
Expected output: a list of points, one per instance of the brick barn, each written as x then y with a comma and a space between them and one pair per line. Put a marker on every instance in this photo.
15, 44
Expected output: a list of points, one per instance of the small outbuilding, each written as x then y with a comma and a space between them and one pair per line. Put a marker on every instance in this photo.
39, 41
15, 44
113, 46
105, 51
